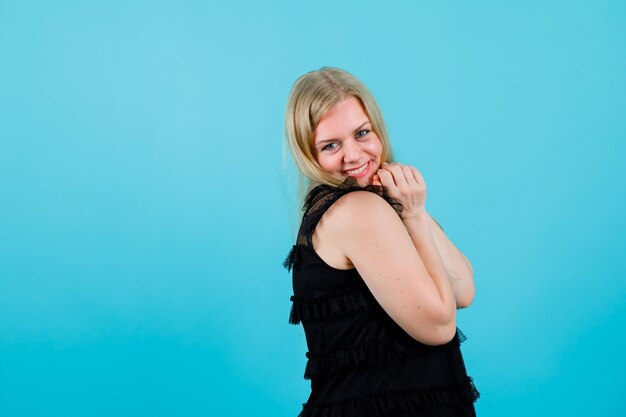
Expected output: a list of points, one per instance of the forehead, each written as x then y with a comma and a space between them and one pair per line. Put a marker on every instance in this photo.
342, 118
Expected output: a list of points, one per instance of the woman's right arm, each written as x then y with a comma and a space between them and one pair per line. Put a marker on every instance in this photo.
417, 296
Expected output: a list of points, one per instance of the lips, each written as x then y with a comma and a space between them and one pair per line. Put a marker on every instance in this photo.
364, 168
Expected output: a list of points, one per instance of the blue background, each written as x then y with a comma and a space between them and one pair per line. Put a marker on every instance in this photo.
145, 214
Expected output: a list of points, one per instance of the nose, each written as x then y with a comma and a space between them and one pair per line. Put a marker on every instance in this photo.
351, 151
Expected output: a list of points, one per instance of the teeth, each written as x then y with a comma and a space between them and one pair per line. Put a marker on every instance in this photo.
358, 170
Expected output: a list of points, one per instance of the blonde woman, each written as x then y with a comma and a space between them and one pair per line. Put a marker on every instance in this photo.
376, 281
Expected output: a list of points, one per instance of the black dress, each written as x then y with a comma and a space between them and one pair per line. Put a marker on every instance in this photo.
360, 362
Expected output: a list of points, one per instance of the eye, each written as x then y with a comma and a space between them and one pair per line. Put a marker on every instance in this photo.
358, 134
327, 146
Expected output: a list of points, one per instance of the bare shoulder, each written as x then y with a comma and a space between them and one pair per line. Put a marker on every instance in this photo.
337, 221
358, 214
356, 206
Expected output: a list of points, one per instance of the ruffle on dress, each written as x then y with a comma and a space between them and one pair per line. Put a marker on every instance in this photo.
374, 353
397, 402
308, 308
291, 258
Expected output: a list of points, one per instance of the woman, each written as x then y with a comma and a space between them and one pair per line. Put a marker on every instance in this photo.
376, 281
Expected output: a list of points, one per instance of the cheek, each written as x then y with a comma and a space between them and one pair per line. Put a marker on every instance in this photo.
327, 163
377, 147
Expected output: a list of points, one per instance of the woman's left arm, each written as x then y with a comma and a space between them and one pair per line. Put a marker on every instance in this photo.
460, 271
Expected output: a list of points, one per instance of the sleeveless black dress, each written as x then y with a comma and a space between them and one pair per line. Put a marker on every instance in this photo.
360, 362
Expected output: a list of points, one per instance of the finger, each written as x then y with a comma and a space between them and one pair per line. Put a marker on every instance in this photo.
398, 174
417, 175
386, 178
408, 174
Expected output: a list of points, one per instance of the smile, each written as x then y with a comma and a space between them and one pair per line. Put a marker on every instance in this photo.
359, 170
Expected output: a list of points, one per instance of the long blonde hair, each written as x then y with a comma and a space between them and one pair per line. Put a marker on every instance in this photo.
311, 96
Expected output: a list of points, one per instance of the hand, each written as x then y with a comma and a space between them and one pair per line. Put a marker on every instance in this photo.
404, 183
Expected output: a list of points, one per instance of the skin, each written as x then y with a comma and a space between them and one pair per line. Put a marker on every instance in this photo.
418, 276
344, 140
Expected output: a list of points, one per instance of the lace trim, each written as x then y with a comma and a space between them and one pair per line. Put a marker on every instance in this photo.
389, 403
291, 258
378, 353
306, 308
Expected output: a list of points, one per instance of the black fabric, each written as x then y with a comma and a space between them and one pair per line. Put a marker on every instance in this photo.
359, 361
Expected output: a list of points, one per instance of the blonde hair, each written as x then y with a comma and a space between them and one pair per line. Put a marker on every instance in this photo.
311, 96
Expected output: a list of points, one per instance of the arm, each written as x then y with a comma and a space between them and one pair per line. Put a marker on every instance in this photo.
406, 184
404, 272
460, 271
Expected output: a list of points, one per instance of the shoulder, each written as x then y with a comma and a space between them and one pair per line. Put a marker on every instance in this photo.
359, 214
355, 216
351, 206
347, 204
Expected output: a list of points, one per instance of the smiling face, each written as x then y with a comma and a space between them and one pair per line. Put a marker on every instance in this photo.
345, 144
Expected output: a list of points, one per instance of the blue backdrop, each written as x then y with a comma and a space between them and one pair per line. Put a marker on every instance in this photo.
144, 218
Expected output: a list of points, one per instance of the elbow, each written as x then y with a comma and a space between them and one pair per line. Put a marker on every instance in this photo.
467, 298
439, 335
446, 333
445, 327
471, 291
436, 331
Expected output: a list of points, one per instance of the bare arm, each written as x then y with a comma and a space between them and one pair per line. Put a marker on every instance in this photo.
459, 269
419, 228
406, 184
404, 272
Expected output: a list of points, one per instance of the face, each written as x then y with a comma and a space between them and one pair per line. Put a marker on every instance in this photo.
345, 144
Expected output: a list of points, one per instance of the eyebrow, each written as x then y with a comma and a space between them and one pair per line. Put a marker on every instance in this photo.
355, 130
